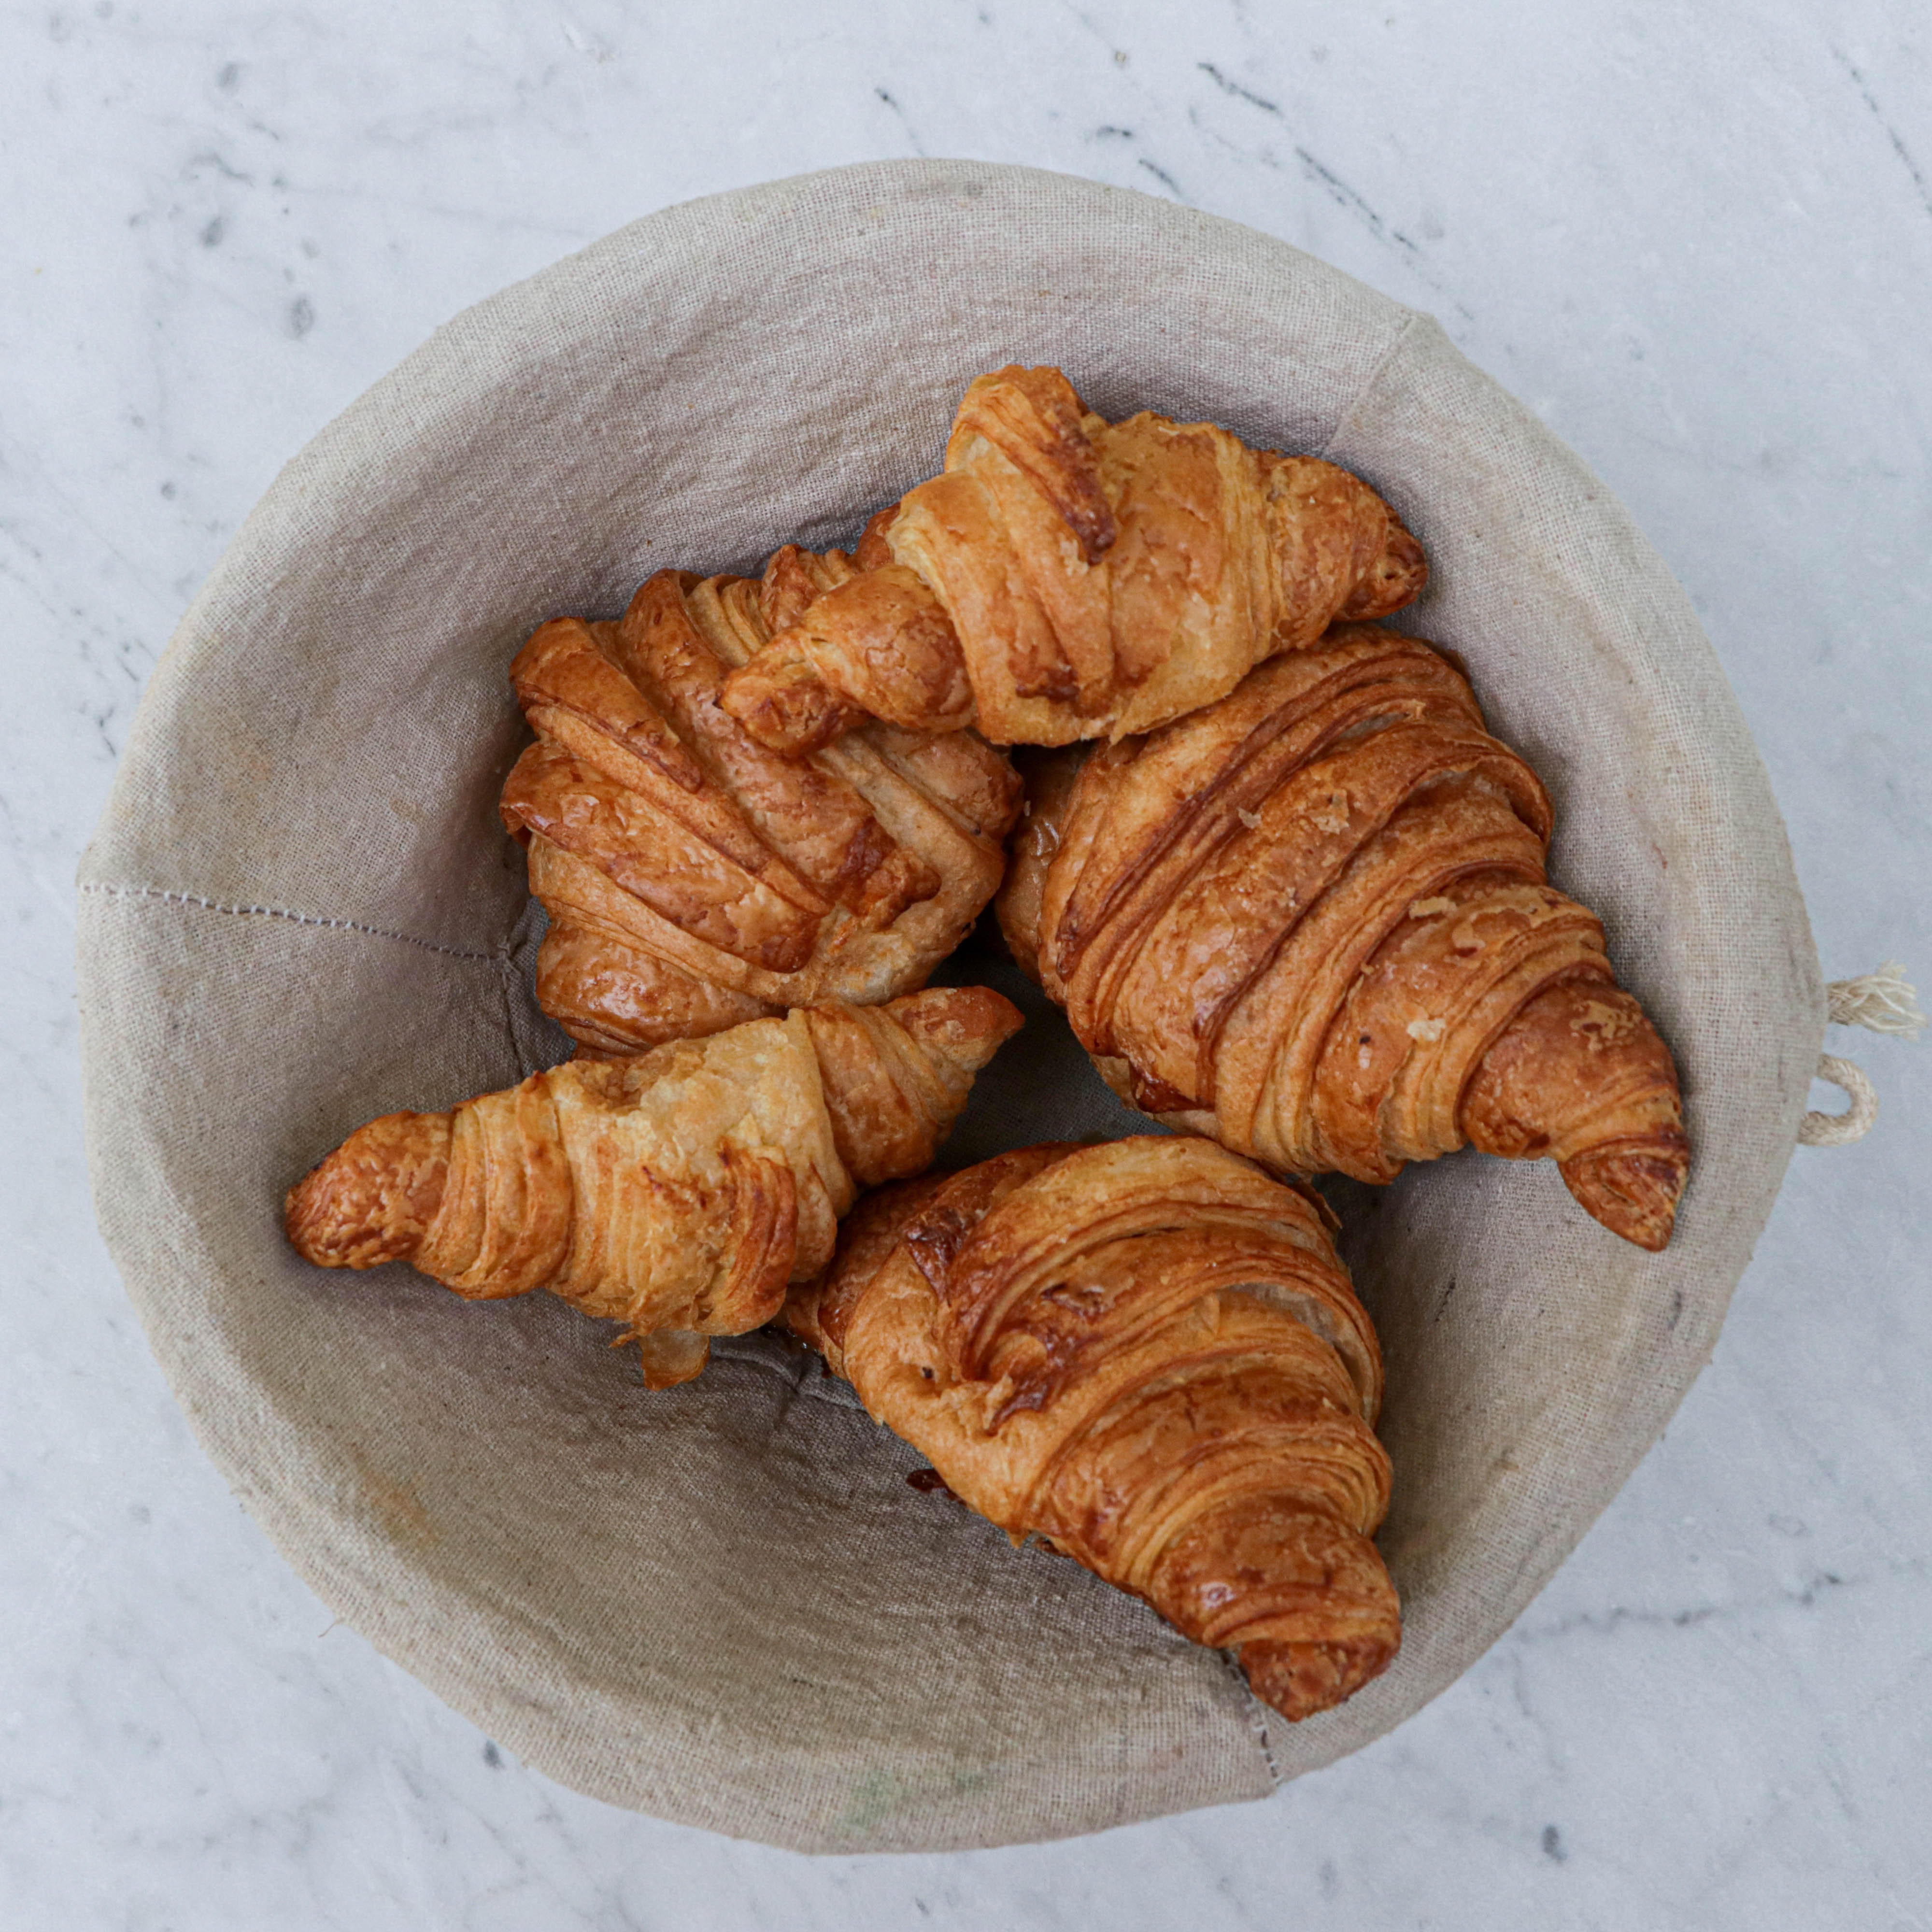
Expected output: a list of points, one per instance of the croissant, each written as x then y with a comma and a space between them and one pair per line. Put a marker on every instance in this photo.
694, 879
678, 1192
1148, 1355
1313, 920
1068, 578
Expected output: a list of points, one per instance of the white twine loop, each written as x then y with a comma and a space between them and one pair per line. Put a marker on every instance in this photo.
1821, 1129
1881, 1002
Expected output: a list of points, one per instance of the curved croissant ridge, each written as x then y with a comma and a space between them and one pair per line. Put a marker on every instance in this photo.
1313, 920
1148, 1355
694, 879
679, 1191
1067, 578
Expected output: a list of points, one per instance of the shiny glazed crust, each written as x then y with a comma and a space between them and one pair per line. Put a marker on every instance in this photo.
679, 1191
1313, 921
1148, 1354
1067, 578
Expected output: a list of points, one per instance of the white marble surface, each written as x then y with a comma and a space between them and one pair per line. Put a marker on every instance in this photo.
1698, 240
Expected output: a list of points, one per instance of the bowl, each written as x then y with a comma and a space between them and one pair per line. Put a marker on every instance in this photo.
723, 1604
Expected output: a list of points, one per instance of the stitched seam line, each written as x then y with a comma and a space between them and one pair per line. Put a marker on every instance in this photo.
283, 912
1368, 388
1257, 1719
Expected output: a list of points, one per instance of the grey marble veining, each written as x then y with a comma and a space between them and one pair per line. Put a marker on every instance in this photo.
1698, 241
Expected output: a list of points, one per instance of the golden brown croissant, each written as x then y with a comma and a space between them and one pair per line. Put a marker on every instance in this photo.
1313, 921
1148, 1354
679, 1191
1066, 578
694, 879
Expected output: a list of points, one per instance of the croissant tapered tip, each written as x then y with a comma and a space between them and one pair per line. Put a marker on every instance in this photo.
373, 1199
1397, 577
1632, 1189
1300, 1679
671, 1355
966, 1025
891, 1108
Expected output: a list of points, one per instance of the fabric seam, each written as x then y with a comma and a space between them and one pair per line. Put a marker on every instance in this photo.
1257, 1721
1375, 376
102, 890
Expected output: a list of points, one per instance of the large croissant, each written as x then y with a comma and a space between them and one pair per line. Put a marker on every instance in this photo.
1148, 1355
679, 1191
694, 879
1068, 578
1313, 921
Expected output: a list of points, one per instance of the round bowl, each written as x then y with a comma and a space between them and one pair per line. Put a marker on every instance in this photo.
723, 1604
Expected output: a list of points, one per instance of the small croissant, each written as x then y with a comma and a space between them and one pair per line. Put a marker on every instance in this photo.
1148, 1355
1067, 578
1313, 920
694, 879
679, 1191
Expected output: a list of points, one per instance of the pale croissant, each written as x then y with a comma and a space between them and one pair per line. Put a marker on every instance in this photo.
1068, 578
1313, 921
1148, 1355
679, 1191
694, 879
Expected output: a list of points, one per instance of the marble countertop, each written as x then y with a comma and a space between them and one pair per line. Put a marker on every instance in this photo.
1698, 241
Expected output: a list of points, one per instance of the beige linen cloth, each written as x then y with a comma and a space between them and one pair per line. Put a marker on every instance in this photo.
723, 1604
